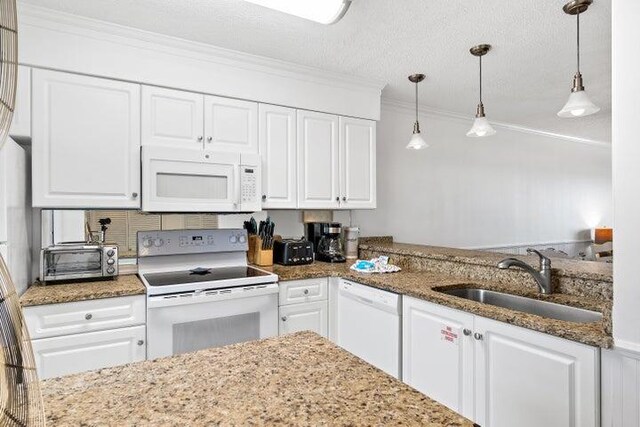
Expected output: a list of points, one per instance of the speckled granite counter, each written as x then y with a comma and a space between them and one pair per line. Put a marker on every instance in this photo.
424, 285
299, 379
39, 294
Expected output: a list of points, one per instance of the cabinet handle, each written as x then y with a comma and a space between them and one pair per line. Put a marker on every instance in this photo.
284, 318
134, 195
88, 316
209, 138
466, 332
306, 291
140, 342
264, 197
200, 138
344, 198
477, 336
338, 199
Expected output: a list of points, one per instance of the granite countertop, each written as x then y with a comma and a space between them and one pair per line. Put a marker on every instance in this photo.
298, 379
572, 268
39, 294
424, 285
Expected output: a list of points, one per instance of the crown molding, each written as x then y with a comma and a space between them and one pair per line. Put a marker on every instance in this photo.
404, 107
89, 27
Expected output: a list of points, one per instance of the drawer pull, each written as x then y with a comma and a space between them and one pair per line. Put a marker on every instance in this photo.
477, 336
306, 292
140, 342
88, 316
466, 332
284, 318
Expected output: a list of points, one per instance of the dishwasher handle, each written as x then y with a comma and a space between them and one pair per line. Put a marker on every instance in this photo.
377, 298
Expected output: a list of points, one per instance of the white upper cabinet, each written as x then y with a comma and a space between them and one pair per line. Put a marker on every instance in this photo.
318, 161
357, 163
172, 118
230, 125
530, 379
21, 123
438, 353
86, 141
277, 135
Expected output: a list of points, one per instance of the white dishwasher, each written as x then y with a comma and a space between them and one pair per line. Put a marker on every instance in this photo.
368, 325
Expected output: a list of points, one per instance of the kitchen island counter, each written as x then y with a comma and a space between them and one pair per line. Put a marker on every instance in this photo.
298, 379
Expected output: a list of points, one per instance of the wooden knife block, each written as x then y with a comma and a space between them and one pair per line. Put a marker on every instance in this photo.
257, 255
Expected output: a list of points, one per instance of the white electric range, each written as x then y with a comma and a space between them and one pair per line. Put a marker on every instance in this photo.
201, 293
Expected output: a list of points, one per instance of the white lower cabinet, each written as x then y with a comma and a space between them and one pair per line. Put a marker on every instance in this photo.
310, 316
304, 306
498, 374
93, 350
79, 336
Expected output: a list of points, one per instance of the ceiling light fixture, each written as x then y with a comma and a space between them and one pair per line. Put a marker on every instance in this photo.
579, 104
416, 142
322, 11
481, 126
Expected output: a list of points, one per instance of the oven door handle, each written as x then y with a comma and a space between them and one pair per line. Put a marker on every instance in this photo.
159, 301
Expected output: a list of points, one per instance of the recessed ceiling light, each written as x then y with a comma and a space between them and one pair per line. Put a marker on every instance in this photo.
322, 11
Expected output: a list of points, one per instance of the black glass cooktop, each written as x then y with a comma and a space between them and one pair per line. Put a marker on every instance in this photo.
202, 275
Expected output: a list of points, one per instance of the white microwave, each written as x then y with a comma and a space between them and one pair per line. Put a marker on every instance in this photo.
185, 180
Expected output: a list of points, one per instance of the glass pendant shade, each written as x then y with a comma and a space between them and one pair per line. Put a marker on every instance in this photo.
417, 142
481, 127
578, 105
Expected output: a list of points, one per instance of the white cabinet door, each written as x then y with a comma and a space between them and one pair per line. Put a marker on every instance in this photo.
84, 352
311, 316
437, 353
318, 161
357, 163
172, 118
277, 135
86, 142
21, 123
230, 125
529, 379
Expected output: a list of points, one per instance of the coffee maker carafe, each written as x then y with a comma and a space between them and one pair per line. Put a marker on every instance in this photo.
327, 238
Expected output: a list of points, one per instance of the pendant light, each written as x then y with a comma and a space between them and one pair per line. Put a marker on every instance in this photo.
579, 104
481, 126
416, 142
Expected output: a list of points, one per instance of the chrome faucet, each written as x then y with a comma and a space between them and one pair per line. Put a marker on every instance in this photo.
542, 277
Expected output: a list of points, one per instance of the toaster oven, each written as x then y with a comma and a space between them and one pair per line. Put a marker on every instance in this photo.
78, 260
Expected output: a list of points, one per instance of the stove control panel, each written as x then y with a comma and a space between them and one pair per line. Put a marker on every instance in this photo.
184, 242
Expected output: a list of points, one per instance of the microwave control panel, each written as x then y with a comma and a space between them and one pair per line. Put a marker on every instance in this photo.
250, 179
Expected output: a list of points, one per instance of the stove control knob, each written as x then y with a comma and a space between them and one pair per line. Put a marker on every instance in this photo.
233, 239
242, 239
158, 242
147, 242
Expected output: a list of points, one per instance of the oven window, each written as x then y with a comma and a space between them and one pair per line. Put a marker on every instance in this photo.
183, 186
62, 263
201, 334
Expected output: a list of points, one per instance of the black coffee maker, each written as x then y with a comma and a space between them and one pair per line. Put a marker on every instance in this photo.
327, 240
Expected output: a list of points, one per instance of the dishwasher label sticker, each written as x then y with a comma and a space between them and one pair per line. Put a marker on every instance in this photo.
447, 334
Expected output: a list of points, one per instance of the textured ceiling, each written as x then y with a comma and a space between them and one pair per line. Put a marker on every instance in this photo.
527, 75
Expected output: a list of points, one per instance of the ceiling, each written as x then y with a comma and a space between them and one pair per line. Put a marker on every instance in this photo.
528, 74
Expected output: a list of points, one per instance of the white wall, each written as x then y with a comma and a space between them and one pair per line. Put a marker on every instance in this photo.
514, 188
626, 173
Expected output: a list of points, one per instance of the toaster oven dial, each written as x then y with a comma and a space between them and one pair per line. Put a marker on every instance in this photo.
111, 270
111, 252
111, 261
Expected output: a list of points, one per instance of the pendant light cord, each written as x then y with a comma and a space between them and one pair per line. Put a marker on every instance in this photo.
480, 79
578, 41
416, 102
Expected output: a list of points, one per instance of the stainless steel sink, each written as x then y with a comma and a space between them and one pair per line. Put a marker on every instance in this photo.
527, 305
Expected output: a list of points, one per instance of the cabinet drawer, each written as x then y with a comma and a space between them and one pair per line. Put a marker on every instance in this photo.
84, 352
84, 316
297, 291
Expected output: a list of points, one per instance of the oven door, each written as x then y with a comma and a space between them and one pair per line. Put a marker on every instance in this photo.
181, 323
69, 264
183, 180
